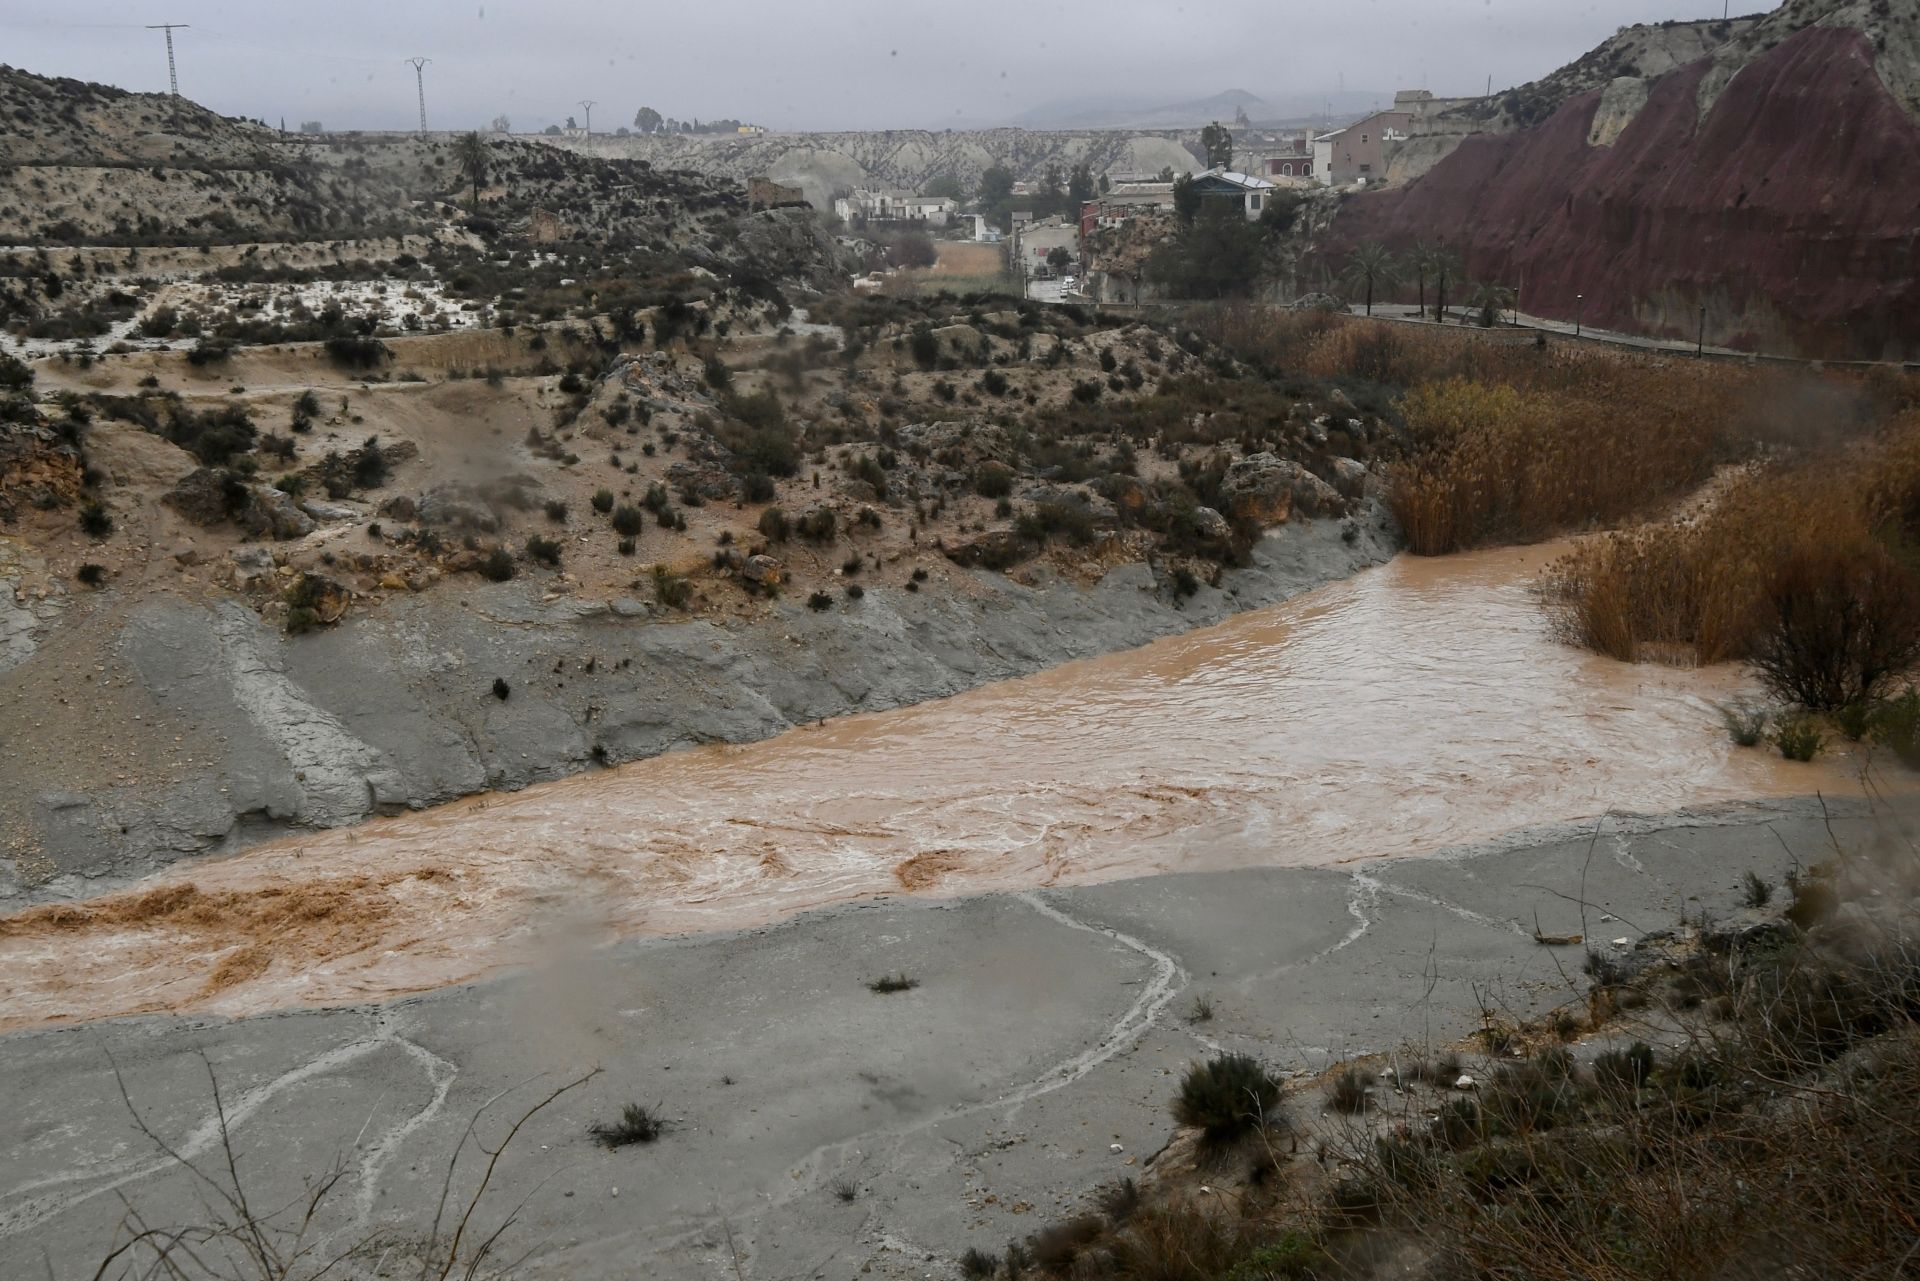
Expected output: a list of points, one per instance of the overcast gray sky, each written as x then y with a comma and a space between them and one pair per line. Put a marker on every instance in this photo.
791, 64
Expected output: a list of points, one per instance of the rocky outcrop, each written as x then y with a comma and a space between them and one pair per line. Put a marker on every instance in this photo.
1268, 489
1778, 202
209, 496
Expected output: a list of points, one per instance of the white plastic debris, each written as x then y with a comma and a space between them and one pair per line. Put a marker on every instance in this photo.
1623, 942
1115, 1147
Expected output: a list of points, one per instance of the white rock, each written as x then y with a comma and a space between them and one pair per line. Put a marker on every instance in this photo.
1466, 1083
1115, 1147
1623, 942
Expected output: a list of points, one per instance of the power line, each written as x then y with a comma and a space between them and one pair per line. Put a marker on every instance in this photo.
588, 104
173, 77
420, 83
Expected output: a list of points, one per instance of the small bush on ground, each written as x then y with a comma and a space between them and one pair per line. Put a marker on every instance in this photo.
670, 589
1746, 724
497, 565
1227, 1096
1799, 738
636, 1125
628, 520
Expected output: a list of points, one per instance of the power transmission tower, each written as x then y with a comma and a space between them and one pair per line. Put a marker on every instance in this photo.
587, 105
173, 77
420, 83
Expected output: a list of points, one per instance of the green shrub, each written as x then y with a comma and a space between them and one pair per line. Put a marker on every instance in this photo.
1057, 516
818, 525
774, 525
925, 347
1799, 738
1627, 1069
1350, 1091
1746, 723
670, 589
1294, 1257
628, 521
1227, 1096
993, 480
603, 501
497, 565
819, 602
356, 351
95, 521
545, 550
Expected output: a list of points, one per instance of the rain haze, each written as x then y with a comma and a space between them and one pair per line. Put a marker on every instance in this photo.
858, 65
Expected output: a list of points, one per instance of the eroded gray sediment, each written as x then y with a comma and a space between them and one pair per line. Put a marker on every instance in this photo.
395, 709
1046, 1027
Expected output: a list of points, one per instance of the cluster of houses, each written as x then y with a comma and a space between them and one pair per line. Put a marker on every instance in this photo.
1268, 164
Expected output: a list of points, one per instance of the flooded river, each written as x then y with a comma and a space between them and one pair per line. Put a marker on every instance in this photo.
1418, 705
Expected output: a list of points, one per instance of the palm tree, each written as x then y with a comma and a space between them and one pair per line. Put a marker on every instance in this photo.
1420, 259
1371, 266
470, 155
1490, 300
1445, 267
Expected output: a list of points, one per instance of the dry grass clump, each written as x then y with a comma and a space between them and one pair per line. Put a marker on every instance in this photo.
1806, 570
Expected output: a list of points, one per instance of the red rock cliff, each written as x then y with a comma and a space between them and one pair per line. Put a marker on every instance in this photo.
1791, 210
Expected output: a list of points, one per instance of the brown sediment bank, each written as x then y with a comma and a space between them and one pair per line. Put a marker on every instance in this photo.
1413, 707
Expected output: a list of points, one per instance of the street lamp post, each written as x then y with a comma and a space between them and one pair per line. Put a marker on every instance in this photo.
1579, 307
1700, 345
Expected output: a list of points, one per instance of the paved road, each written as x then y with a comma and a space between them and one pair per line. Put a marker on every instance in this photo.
823, 1130
1519, 322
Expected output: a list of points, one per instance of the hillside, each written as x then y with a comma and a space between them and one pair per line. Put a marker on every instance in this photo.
820, 163
1771, 182
88, 164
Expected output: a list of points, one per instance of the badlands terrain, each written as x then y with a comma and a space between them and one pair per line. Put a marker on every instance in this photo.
542, 734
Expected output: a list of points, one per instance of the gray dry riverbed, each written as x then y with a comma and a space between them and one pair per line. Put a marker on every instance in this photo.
1046, 1029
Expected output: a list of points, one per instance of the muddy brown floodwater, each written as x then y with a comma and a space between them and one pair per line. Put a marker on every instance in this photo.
1420, 705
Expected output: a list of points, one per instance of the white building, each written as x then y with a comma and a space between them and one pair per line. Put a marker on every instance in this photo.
896, 206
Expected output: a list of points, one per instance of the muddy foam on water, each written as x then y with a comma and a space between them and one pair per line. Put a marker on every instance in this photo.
1417, 706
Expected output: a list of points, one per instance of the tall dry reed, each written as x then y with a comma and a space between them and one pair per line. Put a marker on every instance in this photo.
1806, 566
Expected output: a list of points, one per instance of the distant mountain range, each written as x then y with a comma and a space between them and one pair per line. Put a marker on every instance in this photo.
1143, 113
